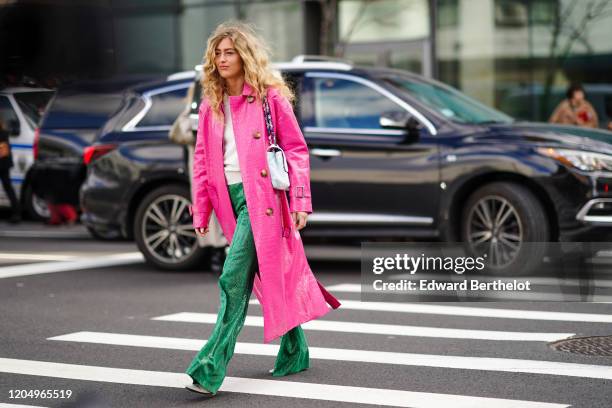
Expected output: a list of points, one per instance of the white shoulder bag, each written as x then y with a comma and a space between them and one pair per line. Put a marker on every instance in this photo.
277, 162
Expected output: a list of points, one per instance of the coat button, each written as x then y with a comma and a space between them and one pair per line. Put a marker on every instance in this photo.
250, 98
257, 134
264, 173
269, 211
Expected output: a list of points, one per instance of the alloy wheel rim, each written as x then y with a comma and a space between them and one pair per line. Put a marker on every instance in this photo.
495, 231
167, 229
40, 207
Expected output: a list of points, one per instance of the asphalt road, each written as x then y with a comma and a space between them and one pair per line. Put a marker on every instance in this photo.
121, 335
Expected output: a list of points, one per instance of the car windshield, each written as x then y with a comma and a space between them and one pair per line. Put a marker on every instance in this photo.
451, 103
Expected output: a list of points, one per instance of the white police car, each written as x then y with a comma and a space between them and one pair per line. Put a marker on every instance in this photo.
21, 109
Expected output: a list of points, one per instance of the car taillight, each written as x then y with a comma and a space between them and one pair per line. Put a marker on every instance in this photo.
91, 153
35, 144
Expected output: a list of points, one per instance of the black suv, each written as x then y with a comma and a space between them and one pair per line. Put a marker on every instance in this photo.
397, 155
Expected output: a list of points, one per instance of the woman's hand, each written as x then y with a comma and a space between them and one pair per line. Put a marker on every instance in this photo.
299, 219
201, 231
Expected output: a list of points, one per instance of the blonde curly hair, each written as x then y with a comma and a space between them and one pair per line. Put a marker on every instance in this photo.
255, 57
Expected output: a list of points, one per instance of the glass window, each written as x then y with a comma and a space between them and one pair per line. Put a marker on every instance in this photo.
520, 56
340, 103
33, 104
382, 20
448, 13
510, 13
449, 102
7, 113
165, 108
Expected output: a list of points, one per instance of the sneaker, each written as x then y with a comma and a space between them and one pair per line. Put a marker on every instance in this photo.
195, 387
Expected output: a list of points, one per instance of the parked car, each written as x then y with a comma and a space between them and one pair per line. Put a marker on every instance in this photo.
393, 155
137, 184
69, 125
21, 108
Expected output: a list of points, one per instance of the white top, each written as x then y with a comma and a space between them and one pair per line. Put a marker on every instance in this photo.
230, 155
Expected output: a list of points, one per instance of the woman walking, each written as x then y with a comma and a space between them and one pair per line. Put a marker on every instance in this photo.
231, 177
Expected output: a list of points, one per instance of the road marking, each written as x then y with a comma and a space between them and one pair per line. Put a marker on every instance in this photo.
363, 356
293, 389
386, 329
65, 234
36, 257
19, 406
473, 311
502, 295
64, 266
535, 280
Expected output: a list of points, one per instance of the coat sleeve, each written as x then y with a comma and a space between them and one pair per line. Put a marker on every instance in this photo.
291, 140
202, 207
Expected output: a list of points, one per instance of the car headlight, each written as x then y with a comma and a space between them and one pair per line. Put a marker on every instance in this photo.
585, 161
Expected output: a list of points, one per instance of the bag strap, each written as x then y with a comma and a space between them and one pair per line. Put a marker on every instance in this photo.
269, 125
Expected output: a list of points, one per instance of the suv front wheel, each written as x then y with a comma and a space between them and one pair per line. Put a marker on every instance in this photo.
164, 232
506, 223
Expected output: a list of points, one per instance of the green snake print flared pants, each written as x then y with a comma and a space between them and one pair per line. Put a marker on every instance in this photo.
209, 366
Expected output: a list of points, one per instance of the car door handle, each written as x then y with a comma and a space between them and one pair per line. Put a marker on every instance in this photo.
326, 152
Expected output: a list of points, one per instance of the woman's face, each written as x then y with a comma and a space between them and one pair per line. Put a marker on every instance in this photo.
578, 96
227, 60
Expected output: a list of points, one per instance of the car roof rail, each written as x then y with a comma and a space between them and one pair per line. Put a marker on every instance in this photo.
181, 75
298, 59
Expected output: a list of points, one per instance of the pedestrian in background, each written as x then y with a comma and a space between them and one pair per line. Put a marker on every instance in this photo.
231, 177
182, 133
609, 112
575, 109
6, 162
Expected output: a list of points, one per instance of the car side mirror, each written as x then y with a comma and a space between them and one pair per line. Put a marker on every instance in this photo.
14, 128
403, 121
394, 120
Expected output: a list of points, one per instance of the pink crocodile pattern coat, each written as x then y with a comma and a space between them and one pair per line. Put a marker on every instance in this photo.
285, 286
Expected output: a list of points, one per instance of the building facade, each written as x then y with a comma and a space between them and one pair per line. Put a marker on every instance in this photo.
516, 55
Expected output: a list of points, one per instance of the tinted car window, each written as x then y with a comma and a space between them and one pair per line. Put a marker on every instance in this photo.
6, 111
455, 105
33, 104
341, 103
165, 108
81, 110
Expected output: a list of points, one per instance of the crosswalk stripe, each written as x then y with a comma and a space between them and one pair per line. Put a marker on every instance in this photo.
64, 266
293, 389
35, 257
2, 405
492, 295
363, 356
386, 329
535, 280
472, 311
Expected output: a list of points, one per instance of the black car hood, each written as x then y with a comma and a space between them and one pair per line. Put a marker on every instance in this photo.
551, 135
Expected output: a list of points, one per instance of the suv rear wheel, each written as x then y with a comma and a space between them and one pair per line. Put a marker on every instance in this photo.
164, 232
506, 222
35, 207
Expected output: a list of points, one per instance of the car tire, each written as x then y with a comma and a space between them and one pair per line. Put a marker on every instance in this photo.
34, 207
507, 222
163, 230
